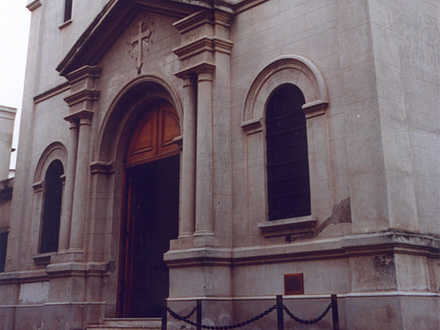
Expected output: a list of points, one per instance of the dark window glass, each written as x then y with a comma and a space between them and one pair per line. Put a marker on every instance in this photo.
287, 156
68, 10
53, 188
3, 246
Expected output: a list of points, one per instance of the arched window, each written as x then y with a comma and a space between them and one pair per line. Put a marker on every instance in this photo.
68, 4
287, 156
53, 188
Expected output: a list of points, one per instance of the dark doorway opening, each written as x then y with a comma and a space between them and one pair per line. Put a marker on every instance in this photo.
151, 222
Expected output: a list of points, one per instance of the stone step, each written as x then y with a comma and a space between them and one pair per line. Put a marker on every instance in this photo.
128, 324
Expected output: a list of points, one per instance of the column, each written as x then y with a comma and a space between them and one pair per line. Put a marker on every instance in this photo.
80, 196
66, 216
204, 167
187, 207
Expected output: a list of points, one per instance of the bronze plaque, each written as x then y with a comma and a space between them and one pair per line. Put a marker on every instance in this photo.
293, 284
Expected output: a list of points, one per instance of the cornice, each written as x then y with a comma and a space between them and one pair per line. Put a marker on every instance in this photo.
202, 44
84, 72
31, 6
61, 88
202, 67
99, 167
371, 244
81, 96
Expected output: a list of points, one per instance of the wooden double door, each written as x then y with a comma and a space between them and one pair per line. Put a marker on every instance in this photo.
151, 218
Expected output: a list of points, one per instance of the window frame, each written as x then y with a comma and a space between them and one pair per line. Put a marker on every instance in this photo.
304, 74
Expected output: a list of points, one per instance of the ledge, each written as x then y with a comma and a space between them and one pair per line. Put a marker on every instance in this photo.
64, 24
296, 227
43, 259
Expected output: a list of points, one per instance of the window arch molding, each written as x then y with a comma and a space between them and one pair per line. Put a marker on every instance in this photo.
55, 152
305, 75
293, 69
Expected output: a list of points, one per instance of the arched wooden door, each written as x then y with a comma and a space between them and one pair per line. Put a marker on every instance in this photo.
151, 219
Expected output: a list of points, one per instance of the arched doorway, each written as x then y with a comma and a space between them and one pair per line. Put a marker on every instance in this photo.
151, 210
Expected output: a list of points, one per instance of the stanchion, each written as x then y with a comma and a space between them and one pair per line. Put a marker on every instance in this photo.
199, 315
164, 315
335, 313
280, 312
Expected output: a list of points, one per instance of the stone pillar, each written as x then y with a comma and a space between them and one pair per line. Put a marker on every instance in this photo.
66, 216
204, 162
187, 207
81, 101
7, 118
80, 194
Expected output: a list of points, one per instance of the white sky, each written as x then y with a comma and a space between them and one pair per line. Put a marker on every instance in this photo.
14, 30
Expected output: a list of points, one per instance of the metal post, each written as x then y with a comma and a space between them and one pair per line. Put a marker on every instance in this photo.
199, 315
280, 312
335, 314
164, 315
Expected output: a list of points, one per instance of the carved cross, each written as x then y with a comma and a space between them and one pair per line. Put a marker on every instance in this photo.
139, 39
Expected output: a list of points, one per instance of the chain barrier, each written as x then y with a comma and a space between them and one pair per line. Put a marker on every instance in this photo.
223, 327
190, 313
312, 321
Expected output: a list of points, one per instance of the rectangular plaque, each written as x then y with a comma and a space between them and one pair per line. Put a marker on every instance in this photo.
293, 284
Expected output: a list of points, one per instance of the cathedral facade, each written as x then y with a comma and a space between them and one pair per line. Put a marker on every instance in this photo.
227, 152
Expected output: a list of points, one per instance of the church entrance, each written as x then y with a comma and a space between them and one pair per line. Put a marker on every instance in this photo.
151, 220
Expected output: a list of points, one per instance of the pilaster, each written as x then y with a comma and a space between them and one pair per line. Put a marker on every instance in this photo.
204, 42
82, 100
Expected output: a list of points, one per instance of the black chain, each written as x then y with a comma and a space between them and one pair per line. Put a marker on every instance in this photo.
190, 313
223, 327
312, 321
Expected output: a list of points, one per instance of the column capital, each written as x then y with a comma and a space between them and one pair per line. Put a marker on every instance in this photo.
194, 70
82, 117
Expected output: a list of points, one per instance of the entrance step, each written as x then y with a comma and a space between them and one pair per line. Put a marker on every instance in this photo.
151, 323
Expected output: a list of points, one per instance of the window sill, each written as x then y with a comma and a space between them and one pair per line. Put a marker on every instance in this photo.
66, 23
292, 227
43, 259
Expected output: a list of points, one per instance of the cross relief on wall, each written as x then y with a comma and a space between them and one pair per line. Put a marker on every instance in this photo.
140, 41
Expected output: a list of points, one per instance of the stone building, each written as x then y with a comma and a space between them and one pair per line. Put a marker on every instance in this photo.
227, 151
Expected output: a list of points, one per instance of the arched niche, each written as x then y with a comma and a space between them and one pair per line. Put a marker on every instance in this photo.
125, 107
304, 75
55, 151
294, 69
108, 188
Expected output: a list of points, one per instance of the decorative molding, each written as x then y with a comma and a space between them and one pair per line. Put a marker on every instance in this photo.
82, 96
370, 244
43, 259
52, 152
296, 70
65, 24
99, 167
246, 5
61, 88
78, 115
38, 186
193, 21
291, 228
252, 126
31, 6
202, 67
87, 71
315, 108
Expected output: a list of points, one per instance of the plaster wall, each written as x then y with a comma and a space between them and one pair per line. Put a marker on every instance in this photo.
406, 47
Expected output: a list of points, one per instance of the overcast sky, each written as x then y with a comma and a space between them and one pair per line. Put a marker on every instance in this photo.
14, 30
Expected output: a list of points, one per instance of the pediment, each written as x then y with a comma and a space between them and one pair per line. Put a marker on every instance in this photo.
109, 25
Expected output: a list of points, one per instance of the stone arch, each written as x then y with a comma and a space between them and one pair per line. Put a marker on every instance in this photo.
55, 151
294, 69
123, 110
